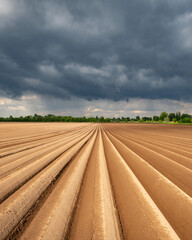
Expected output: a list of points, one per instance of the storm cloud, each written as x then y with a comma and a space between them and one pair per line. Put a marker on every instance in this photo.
94, 50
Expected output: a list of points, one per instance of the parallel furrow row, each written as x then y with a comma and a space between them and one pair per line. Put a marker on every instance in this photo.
20, 159
23, 199
96, 181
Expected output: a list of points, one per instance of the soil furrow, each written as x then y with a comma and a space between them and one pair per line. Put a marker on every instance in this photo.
15, 180
175, 205
140, 217
31, 191
59, 206
95, 181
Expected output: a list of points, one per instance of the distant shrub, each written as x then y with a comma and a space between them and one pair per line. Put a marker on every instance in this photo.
167, 119
141, 120
174, 119
186, 120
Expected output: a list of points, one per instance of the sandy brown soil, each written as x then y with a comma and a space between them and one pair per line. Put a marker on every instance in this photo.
95, 181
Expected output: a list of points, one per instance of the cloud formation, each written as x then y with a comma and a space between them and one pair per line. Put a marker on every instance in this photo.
30, 104
96, 50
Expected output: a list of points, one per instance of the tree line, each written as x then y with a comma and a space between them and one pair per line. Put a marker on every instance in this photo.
163, 118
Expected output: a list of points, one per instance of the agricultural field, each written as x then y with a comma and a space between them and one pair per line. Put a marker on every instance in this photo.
95, 181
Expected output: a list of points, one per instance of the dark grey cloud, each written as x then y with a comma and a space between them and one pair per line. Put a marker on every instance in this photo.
112, 50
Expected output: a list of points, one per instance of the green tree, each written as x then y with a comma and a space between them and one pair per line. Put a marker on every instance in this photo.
185, 116
101, 119
10, 118
178, 116
174, 120
155, 118
186, 120
171, 116
147, 119
163, 116
107, 120
118, 120
141, 120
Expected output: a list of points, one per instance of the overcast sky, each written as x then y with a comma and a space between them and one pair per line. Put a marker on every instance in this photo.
104, 57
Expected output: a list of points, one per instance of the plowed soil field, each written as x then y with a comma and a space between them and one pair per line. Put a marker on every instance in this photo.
95, 181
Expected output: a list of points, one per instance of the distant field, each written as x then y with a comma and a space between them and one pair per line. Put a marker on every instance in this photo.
95, 181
